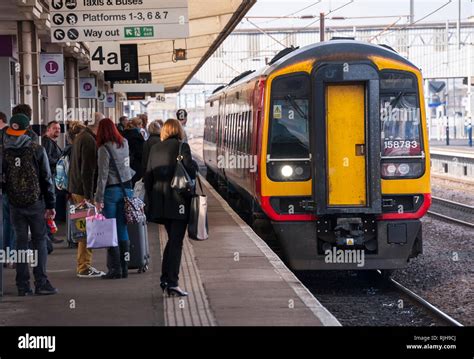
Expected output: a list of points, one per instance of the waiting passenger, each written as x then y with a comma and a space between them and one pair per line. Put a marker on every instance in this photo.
143, 129
164, 204
122, 124
27, 111
135, 143
54, 152
82, 171
30, 190
154, 129
109, 196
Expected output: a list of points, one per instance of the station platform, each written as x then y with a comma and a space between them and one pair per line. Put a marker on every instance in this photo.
233, 278
454, 146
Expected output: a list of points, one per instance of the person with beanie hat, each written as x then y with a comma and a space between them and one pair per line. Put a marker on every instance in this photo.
30, 189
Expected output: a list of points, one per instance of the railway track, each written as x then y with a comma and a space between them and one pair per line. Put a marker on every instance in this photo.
452, 211
366, 298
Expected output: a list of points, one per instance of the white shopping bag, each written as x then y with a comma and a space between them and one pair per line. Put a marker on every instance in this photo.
101, 232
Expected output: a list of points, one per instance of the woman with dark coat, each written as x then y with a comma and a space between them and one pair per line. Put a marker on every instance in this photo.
166, 206
154, 129
135, 144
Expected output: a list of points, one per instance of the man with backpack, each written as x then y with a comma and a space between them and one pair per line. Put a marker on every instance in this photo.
30, 190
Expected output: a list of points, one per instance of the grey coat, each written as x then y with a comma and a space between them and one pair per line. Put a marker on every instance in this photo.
107, 175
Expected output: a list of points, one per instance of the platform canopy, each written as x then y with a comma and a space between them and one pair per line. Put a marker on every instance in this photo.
210, 22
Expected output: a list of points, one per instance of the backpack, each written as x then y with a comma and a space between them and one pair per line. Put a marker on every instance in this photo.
62, 170
21, 176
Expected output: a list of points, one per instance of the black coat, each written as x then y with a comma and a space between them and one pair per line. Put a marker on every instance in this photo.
53, 151
162, 201
153, 139
135, 145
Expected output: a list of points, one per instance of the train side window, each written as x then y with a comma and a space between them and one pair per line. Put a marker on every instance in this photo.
289, 113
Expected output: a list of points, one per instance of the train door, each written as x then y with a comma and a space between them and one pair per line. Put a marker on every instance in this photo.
346, 139
346, 160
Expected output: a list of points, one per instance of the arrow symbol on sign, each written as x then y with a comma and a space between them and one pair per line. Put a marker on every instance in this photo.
129, 32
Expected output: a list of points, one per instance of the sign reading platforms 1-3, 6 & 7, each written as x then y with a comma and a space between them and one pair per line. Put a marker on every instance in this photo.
115, 20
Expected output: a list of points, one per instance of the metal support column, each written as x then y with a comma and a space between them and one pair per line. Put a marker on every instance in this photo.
28, 44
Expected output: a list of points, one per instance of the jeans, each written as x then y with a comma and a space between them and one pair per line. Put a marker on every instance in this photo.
9, 237
114, 208
176, 230
21, 219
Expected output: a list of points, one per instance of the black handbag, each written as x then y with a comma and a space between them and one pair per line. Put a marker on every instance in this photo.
182, 182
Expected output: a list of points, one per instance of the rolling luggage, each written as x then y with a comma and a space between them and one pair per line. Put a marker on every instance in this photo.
139, 248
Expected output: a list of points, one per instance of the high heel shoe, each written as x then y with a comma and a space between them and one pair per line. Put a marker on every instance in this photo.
176, 291
163, 285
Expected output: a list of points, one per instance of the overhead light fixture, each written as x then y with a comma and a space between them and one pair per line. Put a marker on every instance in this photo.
180, 54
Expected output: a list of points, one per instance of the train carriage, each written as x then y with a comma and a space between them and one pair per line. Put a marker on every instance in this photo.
329, 142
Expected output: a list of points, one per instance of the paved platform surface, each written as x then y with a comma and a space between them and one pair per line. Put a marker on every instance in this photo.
233, 278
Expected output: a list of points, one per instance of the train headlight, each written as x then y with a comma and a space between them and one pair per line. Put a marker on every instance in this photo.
287, 171
402, 169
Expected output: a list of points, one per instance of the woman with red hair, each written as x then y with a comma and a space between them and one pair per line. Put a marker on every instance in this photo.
109, 197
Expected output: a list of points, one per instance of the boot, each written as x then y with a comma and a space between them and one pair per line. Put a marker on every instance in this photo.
124, 257
113, 264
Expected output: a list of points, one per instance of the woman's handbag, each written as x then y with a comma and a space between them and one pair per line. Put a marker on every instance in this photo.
101, 232
134, 206
198, 227
182, 182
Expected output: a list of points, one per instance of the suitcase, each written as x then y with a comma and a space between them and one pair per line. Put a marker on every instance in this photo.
139, 248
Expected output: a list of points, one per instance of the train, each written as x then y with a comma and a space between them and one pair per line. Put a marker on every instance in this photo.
329, 143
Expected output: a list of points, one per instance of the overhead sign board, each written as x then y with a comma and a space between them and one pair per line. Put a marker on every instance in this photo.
51, 69
129, 68
87, 88
105, 56
110, 100
139, 88
115, 20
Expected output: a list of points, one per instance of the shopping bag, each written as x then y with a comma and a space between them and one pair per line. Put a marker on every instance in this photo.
77, 219
198, 228
101, 232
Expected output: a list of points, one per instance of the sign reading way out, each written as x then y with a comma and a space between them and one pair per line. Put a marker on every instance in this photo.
115, 20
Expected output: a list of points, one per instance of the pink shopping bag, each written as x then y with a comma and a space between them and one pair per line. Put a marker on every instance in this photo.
101, 232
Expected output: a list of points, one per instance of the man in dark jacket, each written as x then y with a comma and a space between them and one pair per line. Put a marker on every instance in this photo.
54, 152
82, 174
30, 190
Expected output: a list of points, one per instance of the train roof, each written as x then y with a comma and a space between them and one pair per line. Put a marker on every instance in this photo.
333, 50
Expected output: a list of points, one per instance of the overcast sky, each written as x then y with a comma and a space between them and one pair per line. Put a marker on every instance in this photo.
356, 8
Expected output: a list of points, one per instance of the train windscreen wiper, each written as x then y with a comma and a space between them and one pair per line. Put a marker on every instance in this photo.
293, 103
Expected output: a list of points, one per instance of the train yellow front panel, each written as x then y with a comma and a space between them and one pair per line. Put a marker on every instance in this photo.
345, 118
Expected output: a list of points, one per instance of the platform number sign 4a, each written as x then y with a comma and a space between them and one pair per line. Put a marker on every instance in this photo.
105, 56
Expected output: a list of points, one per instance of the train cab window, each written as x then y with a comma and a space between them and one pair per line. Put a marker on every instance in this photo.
288, 146
401, 131
289, 111
400, 115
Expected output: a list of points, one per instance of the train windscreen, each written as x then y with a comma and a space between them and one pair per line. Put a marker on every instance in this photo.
289, 112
